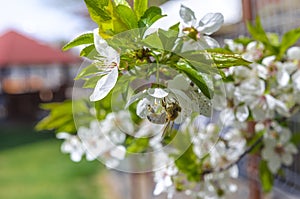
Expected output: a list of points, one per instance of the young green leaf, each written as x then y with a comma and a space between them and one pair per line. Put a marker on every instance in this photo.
89, 51
87, 71
288, 39
139, 7
189, 164
86, 38
195, 77
168, 38
122, 2
258, 33
150, 16
266, 176
127, 16
91, 82
97, 13
153, 41
137, 145
223, 58
61, 114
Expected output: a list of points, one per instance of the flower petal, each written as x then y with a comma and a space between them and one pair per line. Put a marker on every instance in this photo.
119, 152
293, 53
187, 15
105, 85
212, 43
110, 55
157, 93
242, 113
210, 23
287, 159
283, 77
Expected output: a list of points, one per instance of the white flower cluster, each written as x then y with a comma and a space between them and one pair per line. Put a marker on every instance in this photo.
217, 149
266, 90
103, 140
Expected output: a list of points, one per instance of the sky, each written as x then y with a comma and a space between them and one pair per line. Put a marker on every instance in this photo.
46, 20
52, 21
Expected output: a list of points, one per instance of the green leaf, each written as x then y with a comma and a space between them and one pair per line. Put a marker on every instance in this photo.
266, 177
89, 52
121, 2
288, 39
259, 34
189, 164
139, 7
87, 38
127, 16
153, 41
168, 37
295, 139
150, 16
243, 40
137, 145
223, 58
97, 13
87, 71
61, 115
200, 61
91, 82
196, 78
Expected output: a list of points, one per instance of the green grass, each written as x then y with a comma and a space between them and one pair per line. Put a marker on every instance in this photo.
40, 171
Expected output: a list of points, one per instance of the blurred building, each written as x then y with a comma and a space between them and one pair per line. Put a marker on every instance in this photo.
31, 73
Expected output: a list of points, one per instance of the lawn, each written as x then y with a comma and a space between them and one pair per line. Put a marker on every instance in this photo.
34, 168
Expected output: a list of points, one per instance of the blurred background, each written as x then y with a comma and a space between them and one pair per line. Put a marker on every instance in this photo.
34, 70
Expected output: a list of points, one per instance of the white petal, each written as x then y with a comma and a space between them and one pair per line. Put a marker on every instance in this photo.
291, 148
159, 188
282, 109
111, 163
135, 98
157, 93
211, 42
258, 113
274, 165
100, 43
187, 15
242, 113
63, 135
76, 156
210, 23
110, 55
271, 101
105, 85
296, 80
293, 53
119, 152
141, 108
267, 61
283, 77
287, 159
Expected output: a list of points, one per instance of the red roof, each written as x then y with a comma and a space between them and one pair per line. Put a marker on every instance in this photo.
16, 48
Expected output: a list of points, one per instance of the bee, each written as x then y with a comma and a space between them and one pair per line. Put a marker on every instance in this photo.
167, 117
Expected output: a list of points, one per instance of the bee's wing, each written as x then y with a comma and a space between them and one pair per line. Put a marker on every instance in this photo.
157, 118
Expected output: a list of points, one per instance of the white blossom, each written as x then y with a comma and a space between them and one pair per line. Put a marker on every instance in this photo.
109, 61
278, 150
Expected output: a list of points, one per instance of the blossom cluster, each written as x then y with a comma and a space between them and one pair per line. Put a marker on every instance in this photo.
195, 107
264, 93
